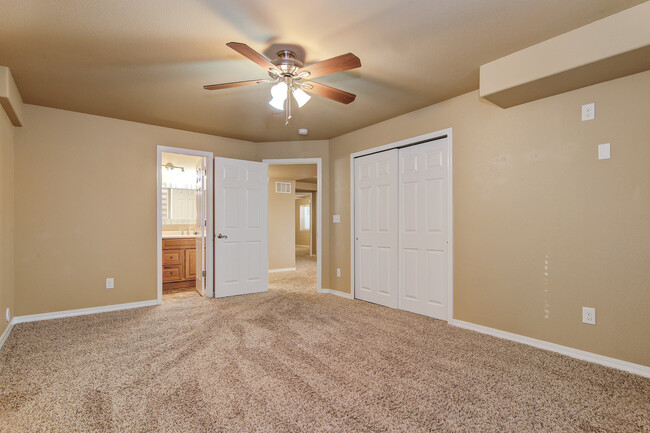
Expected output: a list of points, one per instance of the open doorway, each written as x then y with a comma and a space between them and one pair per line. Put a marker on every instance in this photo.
294, 225
184, 223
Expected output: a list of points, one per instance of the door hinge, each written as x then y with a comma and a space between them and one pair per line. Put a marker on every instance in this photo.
205, 223
203, 274
205, 172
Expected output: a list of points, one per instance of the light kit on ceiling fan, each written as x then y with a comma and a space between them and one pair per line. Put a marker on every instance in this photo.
289, 74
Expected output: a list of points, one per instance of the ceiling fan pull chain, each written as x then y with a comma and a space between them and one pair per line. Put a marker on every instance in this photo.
288, 103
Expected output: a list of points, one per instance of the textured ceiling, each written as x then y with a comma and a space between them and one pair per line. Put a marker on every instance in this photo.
147, 60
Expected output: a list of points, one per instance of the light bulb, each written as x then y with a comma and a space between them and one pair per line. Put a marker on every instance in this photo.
301, 97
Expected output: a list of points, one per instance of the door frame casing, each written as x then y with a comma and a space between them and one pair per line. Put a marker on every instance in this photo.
319, 205
450, 208
209, 268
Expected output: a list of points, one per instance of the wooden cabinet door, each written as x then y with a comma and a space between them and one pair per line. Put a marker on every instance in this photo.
190, 264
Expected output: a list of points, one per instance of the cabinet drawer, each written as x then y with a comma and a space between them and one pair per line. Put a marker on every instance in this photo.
172, 273
176, 243
171, 257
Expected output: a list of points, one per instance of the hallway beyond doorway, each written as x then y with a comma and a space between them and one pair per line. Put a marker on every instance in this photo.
303, 279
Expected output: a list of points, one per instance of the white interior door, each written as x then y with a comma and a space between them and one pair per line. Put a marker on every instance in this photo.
376, 228
201, 226
241, 260
424, 228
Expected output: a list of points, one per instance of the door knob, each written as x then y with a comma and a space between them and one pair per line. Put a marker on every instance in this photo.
220, 236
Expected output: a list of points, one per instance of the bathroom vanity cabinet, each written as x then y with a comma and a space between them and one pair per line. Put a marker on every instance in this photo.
179, 262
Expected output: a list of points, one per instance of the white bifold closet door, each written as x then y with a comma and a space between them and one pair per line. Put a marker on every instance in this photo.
423, 231
376, 217
401, 228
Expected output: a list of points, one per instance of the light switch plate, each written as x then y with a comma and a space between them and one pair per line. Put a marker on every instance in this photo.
336, 218
604, 151
110, 283
588, 111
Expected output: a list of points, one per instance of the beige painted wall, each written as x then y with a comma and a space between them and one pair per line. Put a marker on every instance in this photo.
282, 234
6, 218
307, 149
541, 227
85, 207
302, 236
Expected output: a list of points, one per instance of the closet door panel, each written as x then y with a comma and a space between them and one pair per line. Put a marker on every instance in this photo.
423, 228
376, 228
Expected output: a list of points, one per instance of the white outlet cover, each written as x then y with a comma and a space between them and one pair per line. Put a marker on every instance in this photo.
336, 218
589, 315
110, 283
588, 111
338, 272
604, 151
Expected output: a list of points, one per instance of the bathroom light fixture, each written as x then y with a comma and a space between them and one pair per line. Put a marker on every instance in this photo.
169, 166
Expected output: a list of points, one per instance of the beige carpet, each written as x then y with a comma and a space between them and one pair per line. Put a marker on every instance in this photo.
292, 361
302, 280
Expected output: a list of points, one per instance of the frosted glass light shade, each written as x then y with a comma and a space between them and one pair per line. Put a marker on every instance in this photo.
301, 97
277, 103
278, 95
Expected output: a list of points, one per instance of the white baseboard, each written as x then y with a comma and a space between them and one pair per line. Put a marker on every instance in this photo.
336, 293
630, 367
282, 270
6, 332
84, 311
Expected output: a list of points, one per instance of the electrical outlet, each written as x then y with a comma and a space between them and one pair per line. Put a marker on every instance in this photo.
589, 315
588, 111
338, 272
110, 283
8, 315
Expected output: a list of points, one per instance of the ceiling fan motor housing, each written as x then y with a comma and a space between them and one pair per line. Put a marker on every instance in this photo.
287, 63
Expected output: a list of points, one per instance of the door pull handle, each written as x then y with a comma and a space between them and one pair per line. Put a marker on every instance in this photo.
220, 236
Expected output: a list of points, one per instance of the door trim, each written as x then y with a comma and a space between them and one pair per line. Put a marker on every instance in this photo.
319, 211
209, 216
444, 133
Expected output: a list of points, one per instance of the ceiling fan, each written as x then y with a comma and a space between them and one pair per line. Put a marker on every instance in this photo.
293, 78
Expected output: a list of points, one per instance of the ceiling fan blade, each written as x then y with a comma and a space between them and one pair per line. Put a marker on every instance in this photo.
253, 55
340, 63
329, 92
235, 84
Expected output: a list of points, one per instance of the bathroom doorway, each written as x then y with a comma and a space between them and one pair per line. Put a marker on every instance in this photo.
184, 223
